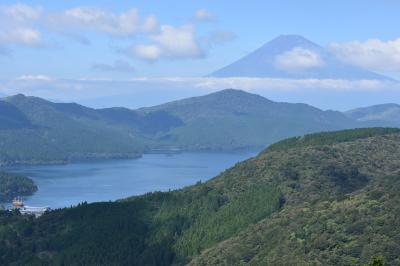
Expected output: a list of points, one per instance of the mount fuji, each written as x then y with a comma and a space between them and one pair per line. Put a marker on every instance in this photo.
294, 57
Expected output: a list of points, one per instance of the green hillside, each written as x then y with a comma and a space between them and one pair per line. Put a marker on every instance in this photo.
38, 132
13, 185
341, 205
234, 119
331, 200
33, 130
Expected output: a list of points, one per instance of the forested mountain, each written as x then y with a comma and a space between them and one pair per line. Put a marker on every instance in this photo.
11, 117
234, 119
321, 199
33, 130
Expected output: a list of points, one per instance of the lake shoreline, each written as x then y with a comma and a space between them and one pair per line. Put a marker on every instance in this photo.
98, 158
66, 185
106, 157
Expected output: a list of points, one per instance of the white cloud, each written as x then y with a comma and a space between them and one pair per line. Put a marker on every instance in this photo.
139, 92
204, 15
273, 84
213, 83
17, 25
150, 52
21, 12
127, 23
171, 42
298, 59
25, 35
20, 35
178, 41
117, 66
27, 25
150, 24
372, 54
34, 78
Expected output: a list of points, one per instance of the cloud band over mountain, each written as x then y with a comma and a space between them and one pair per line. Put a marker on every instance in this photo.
136, 92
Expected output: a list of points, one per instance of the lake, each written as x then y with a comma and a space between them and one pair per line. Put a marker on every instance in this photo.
67, 185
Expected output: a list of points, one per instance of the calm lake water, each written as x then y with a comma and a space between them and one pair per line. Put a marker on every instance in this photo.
67, 185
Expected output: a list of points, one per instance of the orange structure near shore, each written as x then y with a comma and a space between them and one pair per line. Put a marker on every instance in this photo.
18, 204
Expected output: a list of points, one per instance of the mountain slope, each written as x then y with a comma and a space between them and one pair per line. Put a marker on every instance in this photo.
384, 112
345, 226
233, 119
40, 133
293, 56
325, 199
11, 117
33, 130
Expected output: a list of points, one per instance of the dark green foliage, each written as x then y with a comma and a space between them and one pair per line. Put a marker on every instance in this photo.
377, 261
327, 138
154, 229
347, 178
342, 207
228, 219
13, 185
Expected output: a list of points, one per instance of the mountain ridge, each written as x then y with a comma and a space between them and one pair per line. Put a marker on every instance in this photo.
389, 112
35, 130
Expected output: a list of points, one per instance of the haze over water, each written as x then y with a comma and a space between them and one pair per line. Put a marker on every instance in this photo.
66, 185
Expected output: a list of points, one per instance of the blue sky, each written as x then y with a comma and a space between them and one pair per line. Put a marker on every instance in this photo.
118, 40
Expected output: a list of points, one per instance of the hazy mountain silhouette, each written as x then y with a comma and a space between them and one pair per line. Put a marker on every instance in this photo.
389, 112
293, 56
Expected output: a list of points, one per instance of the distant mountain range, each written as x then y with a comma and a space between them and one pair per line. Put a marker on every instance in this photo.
234, 119
384, 112
293, 56
33, 130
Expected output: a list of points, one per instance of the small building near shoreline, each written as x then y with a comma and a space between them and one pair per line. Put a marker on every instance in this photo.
18, 204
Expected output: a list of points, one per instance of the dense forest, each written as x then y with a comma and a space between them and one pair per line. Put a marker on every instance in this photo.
325, 199
13, 185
